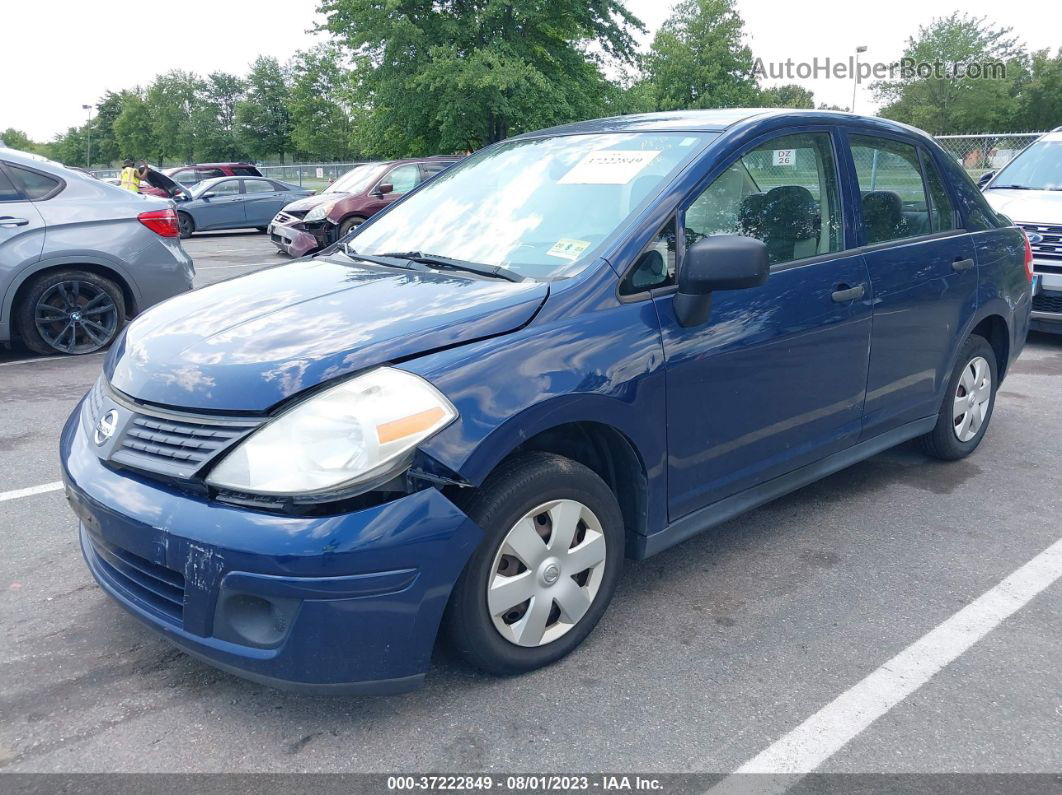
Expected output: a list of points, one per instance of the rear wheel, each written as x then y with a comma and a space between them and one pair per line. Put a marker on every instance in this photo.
71, 312
186, 224
968, 403
262, 228
543, 576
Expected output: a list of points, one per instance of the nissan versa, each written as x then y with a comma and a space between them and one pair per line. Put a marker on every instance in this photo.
575, 346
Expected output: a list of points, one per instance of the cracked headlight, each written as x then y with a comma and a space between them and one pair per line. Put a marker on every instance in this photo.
360, 432
319, 212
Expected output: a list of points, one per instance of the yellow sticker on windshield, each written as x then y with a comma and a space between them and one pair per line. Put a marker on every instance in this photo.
566, 248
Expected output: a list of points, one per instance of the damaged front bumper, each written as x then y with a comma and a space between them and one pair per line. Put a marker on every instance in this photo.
342, 603
298, 239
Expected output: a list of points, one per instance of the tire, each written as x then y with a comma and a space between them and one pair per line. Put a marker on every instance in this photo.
70, 312
262, 229
504, 640
956, 434
186, 224
348, 224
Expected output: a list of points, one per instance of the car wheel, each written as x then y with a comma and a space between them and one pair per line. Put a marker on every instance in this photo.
186, 224
71, 312
262, 229
968, 403
546, 571
348, 225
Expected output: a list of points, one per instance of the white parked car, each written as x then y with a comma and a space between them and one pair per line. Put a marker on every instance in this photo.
1029, 191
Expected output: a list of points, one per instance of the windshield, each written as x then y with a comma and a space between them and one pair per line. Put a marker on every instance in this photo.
1037, 168
537, 206
354, 181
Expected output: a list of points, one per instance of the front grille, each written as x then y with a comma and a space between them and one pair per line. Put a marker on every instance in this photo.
157, 588
172, 447
1049, 249
288, 216
1047, 302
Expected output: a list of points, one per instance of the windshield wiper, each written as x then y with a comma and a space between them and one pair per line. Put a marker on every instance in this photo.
434, 261
388, 260
1013, 187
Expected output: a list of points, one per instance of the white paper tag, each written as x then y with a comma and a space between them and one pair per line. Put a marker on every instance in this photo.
784, 157
567, 248
609, 167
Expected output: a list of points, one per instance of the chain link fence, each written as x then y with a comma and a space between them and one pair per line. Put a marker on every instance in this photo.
985, 152
315, 176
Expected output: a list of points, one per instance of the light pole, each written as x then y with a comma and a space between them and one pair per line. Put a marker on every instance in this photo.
88, 137
855, 77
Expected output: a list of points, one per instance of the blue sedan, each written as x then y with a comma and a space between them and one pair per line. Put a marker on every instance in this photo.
234, 203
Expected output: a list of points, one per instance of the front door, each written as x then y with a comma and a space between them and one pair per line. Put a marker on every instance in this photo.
224, 209
924, 277
776, 377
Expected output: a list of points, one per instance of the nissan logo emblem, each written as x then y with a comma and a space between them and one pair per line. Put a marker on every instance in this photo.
105, 427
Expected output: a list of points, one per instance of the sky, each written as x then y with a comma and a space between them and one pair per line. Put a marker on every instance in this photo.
55, 63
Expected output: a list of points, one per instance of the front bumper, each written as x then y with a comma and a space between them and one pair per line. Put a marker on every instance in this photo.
346, 603
1047, 302
294, 241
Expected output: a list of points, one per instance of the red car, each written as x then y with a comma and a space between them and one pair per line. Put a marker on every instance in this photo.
306, 225
194, 174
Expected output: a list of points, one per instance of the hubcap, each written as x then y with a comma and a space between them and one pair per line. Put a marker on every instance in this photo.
75, 317
546, 573
971, 398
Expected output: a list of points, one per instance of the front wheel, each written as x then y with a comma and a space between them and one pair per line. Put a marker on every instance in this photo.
968, 403
546, 571
349, 225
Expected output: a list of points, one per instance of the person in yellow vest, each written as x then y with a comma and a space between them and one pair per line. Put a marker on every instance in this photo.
130, 177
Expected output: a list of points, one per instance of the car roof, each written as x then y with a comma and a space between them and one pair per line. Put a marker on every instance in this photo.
431, 159
29, 159
216, 165
717, 120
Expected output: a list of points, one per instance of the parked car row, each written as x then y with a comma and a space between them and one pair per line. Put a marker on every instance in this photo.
572, 347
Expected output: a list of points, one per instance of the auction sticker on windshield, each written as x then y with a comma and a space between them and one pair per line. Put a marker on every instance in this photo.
609, 167
568, 248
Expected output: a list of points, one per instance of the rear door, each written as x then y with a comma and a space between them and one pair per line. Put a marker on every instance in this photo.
775, 378
21, 231
923, 274
263, 200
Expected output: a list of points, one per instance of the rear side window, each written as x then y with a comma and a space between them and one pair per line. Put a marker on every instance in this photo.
245, 171
258, 186
941, 210
35, 185
8, 191
431, 169
892, 192
783, 192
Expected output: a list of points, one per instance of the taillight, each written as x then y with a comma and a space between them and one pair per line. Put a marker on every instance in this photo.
161, 222
1028, 258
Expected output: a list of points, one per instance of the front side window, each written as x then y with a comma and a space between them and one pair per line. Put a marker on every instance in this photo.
404, 178
783, 192
539, 206
229, 187
35, 185
656, 265
892, 192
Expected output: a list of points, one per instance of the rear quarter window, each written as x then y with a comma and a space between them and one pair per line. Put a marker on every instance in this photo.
36, 186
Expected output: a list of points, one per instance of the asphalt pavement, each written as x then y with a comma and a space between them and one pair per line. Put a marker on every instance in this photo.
713, 653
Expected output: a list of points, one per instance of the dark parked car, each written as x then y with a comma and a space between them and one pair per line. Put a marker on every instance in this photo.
306, 225
190, 176
79, 256
233, 203
575, 346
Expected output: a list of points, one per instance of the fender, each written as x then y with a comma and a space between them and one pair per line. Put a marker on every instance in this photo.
994, 306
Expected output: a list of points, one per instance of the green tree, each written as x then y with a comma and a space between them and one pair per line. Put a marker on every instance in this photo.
699, 59
950, 104
263, 123
134, 132
105, 147
320, 121
1040, 99
173, 102
16, 139
446, 75
787, 96
214, 118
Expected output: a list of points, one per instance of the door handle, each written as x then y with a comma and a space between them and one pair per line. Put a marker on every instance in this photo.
962, 264
845, 293
7, 220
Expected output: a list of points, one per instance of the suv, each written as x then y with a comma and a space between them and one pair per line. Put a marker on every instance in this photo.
188, 176
1029, 190
306, 225
78, 256
575, 346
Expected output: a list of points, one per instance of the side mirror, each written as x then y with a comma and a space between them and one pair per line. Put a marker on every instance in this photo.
208, 195
717, 262
985, 178
384, 187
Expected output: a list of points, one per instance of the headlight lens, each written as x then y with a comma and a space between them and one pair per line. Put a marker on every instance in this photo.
351, 434
319, 212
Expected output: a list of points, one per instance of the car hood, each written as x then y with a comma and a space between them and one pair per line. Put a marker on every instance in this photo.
248, 343
309, 202
1027, 206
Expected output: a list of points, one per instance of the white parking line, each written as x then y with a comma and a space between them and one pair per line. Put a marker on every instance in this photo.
823, 734
31, 490
51, 359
